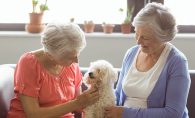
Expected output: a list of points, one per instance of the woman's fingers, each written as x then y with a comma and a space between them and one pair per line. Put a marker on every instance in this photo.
108, 111
88, 97
93, 95
108, 108
92, 90
114, 111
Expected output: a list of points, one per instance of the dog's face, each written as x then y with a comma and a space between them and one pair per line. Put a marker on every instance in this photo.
101, 73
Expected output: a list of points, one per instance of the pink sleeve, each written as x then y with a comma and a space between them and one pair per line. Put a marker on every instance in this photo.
27, 76
78, 78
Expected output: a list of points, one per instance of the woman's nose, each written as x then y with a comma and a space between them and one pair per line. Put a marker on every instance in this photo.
138, 40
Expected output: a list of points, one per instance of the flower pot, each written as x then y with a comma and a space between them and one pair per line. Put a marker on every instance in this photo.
31, 28
126, 28
36, 18
89, 28
108, 28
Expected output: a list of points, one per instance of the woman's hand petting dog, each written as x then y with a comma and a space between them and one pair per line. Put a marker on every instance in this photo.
114, 111
88, 97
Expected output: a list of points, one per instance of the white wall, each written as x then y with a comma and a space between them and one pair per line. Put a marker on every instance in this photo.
110, 47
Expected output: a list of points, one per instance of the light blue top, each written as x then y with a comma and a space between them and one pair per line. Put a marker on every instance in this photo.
169, 97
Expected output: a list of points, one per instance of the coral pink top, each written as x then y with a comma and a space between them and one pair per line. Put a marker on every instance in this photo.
31, 79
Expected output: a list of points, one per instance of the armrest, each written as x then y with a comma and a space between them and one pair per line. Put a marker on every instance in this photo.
6, 89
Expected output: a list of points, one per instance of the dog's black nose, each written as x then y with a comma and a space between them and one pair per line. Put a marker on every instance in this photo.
91, 75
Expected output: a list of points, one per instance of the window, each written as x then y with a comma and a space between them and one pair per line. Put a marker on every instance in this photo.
183, 11
16, 11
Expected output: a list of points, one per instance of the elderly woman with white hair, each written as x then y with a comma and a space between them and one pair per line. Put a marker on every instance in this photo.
47, 82
154, 81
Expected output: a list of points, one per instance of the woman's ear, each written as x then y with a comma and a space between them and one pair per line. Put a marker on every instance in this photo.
50, 57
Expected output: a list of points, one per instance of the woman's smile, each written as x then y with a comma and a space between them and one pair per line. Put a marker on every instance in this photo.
143, 46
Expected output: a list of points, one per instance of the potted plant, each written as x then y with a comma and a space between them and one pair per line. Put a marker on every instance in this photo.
126, 25
107, 28
36, 25
89, 26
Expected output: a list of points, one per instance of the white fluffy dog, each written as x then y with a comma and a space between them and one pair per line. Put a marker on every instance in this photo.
101, 75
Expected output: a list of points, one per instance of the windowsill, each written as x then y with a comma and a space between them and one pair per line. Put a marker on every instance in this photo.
91, 35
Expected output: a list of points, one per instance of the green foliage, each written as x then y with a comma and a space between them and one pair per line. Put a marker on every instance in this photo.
121, 10
42, 7
127, 20
34, 2
104, 23
88, 22
129, 15
72, 20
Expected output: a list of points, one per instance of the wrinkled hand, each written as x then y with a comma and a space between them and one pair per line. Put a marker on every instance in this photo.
114, 111
88, 97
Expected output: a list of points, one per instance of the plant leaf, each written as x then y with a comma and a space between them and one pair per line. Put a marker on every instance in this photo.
121, 10
129, 15
104, 23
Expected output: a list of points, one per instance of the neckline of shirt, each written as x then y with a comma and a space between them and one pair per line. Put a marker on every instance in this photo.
156, 64
56, 76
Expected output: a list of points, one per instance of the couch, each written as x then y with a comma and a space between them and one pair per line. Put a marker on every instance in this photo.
7, 86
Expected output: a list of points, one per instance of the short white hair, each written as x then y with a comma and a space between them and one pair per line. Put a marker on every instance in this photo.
59, 37
160, 19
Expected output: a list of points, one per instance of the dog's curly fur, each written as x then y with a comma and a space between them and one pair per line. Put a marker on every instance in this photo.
101, 75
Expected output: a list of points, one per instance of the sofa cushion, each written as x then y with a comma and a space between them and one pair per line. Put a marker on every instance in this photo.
191, 96
6, 89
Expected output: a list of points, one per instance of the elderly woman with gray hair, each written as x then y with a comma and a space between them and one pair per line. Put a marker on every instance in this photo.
47, 82
154, 80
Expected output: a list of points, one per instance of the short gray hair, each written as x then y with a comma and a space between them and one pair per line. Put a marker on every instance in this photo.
160, 19
59, 37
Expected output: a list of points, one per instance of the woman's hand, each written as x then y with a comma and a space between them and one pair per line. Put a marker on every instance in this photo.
114, 111
88, 97
32, 108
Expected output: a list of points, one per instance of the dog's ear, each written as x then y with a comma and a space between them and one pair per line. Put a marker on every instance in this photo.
98, 83
98, 70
